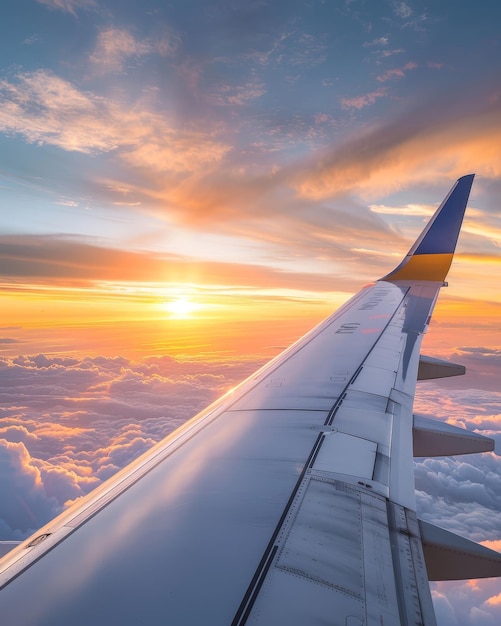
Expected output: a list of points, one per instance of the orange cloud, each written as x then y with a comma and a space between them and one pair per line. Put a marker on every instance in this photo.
429, 144
362, 101
115, 46
494, 544
396, 73
62, 116
47, 109
167, 150
21, 461
408, 209
237, 94
494, 600
58, 262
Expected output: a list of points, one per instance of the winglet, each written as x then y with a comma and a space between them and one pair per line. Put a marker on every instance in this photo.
431, 256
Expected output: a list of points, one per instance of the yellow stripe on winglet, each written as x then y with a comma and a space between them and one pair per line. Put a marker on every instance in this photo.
423, 267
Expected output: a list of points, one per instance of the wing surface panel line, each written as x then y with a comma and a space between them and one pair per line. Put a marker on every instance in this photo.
245, 608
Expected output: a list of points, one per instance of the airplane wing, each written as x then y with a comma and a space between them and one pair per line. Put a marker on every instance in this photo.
289, 501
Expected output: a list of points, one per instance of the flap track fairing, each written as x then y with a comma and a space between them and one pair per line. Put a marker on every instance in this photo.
451, 557
433, 437
430, 368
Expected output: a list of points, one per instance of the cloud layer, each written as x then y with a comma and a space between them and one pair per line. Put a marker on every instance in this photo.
69, 422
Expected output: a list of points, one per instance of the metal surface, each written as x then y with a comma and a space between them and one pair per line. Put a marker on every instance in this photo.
333, 561
346, 454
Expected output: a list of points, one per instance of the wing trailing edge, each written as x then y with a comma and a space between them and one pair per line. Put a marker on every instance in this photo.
451, 557
432, 437
431, 255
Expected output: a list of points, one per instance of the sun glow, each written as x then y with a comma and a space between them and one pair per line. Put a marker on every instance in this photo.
181, 307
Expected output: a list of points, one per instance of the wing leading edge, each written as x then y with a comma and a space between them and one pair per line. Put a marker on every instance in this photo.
289, 501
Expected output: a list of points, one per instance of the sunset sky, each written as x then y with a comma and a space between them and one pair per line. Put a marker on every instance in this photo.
187, 187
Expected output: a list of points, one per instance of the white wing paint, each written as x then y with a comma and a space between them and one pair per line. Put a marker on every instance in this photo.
289, 501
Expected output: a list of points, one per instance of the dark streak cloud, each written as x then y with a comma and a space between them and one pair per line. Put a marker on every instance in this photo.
54, 260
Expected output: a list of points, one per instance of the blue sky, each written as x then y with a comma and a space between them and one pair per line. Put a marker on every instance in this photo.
122, 120
272, 154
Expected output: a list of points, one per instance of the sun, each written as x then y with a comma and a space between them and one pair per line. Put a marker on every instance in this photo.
181, 307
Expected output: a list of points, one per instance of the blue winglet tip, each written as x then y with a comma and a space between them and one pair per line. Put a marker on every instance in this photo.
441, 235
431, 255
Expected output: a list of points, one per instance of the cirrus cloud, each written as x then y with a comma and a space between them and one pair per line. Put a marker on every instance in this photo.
116, 46
46, 109
69, 6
